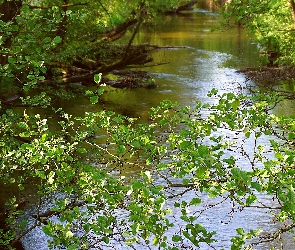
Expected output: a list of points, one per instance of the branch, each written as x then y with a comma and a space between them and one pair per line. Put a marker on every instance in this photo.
16, 240
139, 22
119, 31
120, 63
266, 207
62, 6
166, 46
189, 185
174, 195
147, 66
112, 155
88, 76
104, 9
50, 213
272, 237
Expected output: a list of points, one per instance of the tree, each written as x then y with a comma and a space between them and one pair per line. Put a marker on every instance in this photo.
42, 39
83, 197
272, 23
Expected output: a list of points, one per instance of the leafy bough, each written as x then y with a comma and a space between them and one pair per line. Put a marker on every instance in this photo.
130, 184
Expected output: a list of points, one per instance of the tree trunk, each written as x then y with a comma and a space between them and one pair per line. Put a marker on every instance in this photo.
62, 26
292, 9
119, 31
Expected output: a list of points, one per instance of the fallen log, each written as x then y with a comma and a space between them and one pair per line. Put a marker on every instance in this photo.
184, 7
188, 6
137, 55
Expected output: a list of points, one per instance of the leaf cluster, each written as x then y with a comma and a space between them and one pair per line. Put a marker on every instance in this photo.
85, 170
271, 22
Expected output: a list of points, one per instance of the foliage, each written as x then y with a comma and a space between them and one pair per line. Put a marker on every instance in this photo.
37, 36
178, 161
79, 180
272, 23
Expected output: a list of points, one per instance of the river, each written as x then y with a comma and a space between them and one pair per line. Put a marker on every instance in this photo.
209, 59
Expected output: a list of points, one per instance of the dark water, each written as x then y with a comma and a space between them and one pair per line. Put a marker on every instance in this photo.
209, 60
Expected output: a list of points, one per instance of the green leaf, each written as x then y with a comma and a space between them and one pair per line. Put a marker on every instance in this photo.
230, 160
251, 199
136, 143
11, 60
57, 39
235, 104
88, 92
47, 229
240, 231
121, 149
201, 173
106, 239
88, 168
23, 125
137, 185
184, 133
25, 8
257, 186
94, 99
291, 136
195, 202
176, 204
131, 241
97, 78
46, 40
25, 134
14, 27
247, 134
100, 91
72, 247
162, 166
43, 137
176, 238
203, 150
21, 187
156, 241
41, 174
239, 174
185, 145
82, 150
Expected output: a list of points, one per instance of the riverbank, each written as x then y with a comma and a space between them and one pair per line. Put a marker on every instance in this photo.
269, 74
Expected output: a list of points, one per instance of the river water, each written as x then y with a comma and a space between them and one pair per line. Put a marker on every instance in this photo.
209, 59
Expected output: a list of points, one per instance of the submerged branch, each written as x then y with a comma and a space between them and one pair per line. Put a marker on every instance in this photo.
88, 76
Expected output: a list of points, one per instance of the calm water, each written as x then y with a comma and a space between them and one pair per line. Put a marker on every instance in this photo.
209, 60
